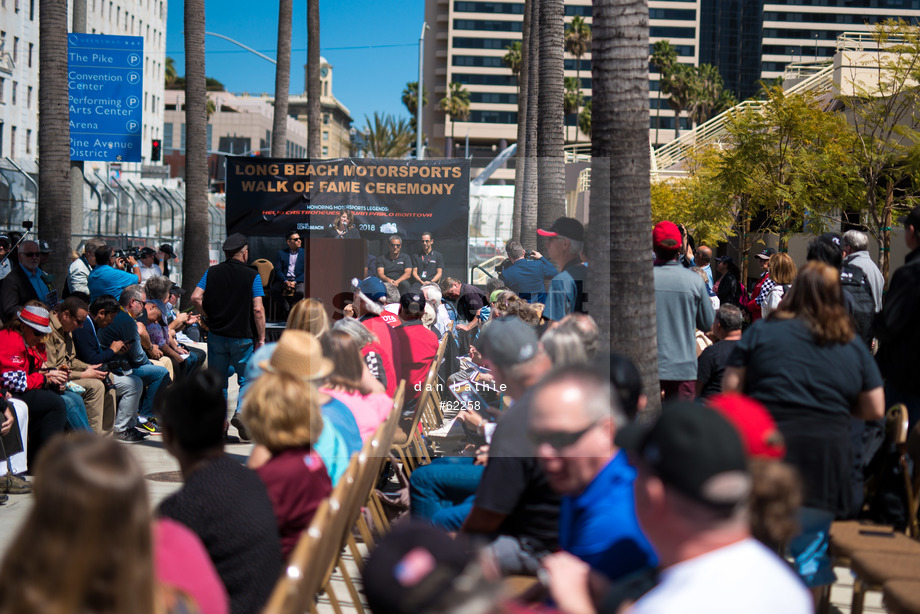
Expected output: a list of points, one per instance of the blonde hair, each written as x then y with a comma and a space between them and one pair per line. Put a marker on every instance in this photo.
282, 412
782, 268
309, 315
86, 545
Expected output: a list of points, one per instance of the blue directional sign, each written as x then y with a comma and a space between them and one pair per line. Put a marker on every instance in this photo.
106, 86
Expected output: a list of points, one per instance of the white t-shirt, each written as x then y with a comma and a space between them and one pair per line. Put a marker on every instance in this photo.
148, 272
743, 577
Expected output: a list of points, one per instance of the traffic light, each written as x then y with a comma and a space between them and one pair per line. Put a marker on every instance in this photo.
155, 150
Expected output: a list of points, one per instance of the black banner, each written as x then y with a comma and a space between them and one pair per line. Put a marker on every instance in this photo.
270, 196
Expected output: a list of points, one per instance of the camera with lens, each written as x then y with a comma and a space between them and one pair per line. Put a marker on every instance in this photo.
529, 255
124, 254
116, 366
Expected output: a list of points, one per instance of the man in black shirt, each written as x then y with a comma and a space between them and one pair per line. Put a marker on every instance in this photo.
229, 296
726, 327
898, 326
429, 265
222, 502
394, 267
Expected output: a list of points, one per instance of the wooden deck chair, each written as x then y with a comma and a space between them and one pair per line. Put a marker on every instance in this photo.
436, 392
310, 565
408, 438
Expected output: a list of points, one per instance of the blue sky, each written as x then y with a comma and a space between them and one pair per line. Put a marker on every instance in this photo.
371, 44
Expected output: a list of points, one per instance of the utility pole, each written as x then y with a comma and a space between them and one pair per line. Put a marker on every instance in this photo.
76, 166
420, 94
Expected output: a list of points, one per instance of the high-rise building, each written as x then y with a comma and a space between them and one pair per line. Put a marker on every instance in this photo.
748, 40
467, 42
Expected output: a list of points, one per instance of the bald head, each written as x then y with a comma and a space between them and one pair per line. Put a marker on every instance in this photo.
703, 255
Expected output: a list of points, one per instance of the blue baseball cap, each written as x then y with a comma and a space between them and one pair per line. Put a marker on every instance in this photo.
372, 288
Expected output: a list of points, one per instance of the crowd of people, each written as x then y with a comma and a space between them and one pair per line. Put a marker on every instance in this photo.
773, 399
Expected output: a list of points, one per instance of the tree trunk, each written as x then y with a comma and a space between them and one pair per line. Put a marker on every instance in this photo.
577, 94
531, 170
620, 277
884, 257
196, 243
520, 158
54, 215
314, 128
551, 120
282, 79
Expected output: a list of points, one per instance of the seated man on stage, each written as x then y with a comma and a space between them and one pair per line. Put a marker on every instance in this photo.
288, 287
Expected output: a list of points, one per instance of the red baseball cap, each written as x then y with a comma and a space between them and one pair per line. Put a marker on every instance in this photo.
666, 235
754, 423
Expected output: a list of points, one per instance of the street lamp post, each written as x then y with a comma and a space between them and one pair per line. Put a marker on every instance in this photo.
420, 95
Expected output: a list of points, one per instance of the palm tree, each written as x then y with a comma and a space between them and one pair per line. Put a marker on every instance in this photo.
709, 96
456, 104
664, 56
314, 142
169, 73
282, 79
551, 125
680, 86
572, 98
577, 43
512, 59
196, 244
517, 61
54, 215
387, 137
531, 62
584, 120
620, 275
410, 100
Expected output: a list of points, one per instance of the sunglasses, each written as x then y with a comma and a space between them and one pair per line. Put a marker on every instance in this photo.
295, 239
31, 254
558, 440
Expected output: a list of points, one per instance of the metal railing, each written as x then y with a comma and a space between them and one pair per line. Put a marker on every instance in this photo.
671, 156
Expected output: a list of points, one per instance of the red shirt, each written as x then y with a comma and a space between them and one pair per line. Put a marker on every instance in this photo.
297, 481
388, 346
16, 356
419, 349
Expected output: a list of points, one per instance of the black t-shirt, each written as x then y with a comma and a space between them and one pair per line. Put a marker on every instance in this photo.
394, 268
514, 484
428, 264
787, 369
227, 506
711, 365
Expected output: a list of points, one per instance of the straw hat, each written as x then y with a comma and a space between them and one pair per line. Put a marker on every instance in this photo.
298, 353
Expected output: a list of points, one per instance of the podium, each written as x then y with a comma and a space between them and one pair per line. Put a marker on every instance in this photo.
330, 267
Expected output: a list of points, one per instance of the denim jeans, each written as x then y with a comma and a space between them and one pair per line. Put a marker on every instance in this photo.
152, 376
129, 389
442, 492
76, 412
226, 352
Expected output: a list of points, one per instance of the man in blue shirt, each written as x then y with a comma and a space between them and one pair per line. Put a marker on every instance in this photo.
564, 244
524, 276
106, 279
574, 418
124, 328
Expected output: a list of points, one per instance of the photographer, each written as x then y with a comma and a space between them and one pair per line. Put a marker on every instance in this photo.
128, 387
526, 274
149, 263
110, 275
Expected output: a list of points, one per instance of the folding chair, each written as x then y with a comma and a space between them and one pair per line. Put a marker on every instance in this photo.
407, 435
